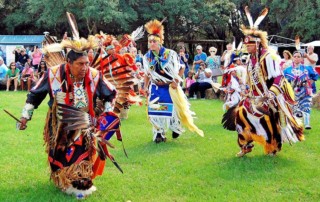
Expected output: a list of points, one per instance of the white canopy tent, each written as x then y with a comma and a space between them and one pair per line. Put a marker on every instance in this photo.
313, 43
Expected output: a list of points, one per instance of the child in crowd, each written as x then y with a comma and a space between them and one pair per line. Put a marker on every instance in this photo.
189, 81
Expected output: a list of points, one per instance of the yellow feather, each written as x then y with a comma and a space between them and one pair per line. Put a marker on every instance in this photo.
182, 108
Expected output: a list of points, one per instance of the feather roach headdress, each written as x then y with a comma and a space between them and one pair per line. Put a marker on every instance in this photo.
155, 29
106, 39
253, 34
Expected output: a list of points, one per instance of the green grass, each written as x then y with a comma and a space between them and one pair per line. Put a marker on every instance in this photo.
190, 168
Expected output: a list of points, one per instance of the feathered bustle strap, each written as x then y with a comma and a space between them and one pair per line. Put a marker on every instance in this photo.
183, 111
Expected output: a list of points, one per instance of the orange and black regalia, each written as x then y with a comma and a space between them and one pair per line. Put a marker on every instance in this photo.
265, 115
80, 119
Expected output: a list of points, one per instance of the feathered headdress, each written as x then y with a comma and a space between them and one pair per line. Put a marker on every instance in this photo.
78, 44
253, 34
135, 35
155, 29
236, 52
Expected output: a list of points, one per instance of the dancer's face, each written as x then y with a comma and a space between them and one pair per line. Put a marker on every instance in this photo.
153, 44
251, 48
297, 58
79, 67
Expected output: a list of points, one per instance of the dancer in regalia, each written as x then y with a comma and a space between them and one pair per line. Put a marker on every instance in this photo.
301, 77
265, 116
168, 107
77, 130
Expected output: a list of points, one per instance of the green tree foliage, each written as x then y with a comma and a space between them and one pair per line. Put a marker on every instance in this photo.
186, 19
297, 18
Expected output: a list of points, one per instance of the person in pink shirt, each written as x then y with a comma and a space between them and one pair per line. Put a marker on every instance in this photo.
27, 76
36, 57
189, 81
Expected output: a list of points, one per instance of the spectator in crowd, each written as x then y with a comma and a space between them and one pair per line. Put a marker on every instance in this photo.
184, 58
19, 67
199, 58
226, 56
42, 69
12, 75
213, 63
3, 72
203, 83
287, 60
3, 55
17, 54
90, 55
36, 57
28, 52
1, 52
23, 58
311, 59
27, 77
188, 82
138, 57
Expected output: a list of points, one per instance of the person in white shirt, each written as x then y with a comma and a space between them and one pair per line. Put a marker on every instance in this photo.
310, 58
203, 83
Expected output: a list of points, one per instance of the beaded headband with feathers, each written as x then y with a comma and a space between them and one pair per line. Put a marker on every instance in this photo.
155, 28
253, 30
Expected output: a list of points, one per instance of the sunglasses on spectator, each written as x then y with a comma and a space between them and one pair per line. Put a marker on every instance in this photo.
212, 51
297, 56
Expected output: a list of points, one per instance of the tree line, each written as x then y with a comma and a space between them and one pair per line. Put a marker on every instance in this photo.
186, 19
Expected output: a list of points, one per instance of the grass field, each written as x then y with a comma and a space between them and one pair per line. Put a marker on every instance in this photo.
190, 168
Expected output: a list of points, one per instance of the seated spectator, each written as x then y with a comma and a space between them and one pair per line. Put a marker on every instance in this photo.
12, 75
203, 83
189, 81
3, 72
27, 76
42, 69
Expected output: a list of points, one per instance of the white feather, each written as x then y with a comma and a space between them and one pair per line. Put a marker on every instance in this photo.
260, 18
239, 46
137, 34
246, 9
